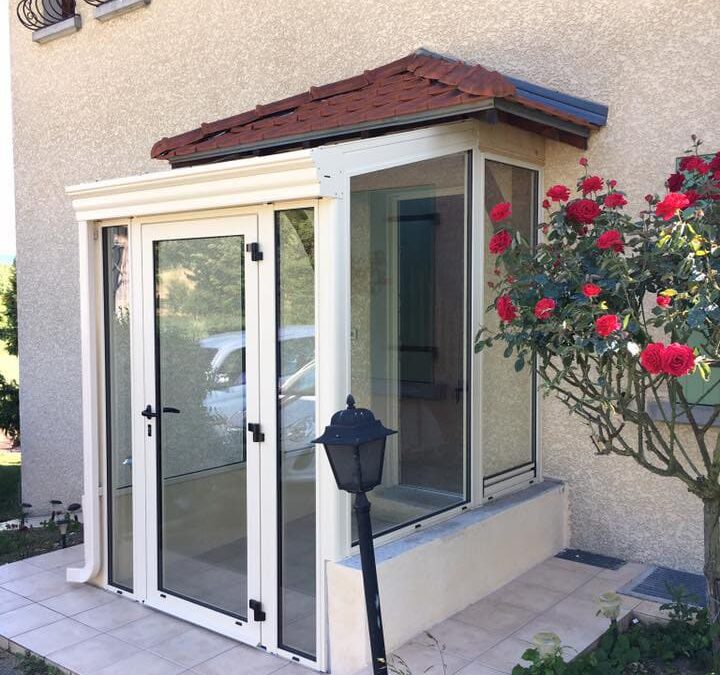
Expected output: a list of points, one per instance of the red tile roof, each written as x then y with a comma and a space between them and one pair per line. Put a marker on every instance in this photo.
411, 90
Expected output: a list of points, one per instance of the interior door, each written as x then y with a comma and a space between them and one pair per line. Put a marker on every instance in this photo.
200, 316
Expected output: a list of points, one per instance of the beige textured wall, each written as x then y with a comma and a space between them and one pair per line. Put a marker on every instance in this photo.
89, 106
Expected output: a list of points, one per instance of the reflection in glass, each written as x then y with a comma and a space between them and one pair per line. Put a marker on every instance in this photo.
295, 233
117, 402
409, 243
200, 361
507, 408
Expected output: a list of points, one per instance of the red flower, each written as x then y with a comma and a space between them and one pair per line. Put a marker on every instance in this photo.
559, 193
544, 308
612, 183
714, 164
583, 161
546, 203
673, 202
649, 199
591, 184
692, 196
591, 290
651, 358
505, 308
663, 301
607, 324
675, 182
500, 242
583, 211
694, 163
678, 360
615, 200
500, 212
612, 239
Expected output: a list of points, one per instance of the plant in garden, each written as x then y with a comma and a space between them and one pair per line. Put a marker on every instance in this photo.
607, 309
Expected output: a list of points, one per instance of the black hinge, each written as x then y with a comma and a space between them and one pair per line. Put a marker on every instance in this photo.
254, 250
254, 429
256, 607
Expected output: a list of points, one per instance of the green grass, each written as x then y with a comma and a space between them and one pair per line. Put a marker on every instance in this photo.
8, 364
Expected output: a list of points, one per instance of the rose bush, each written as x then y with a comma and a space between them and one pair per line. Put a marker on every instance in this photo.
590, 304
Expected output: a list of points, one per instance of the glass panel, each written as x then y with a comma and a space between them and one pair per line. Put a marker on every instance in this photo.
409, 244
507, 397
116, 293
295, 231
200, 324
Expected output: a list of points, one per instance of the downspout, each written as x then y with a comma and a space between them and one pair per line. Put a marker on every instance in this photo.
91, 469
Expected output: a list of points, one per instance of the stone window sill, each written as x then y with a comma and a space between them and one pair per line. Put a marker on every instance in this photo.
58, 30
701, 413
113, 8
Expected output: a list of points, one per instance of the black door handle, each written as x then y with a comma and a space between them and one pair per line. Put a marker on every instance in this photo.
148, 412
167, 409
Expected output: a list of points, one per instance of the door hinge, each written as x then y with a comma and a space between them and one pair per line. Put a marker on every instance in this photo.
257, 435
254, 250
256, 607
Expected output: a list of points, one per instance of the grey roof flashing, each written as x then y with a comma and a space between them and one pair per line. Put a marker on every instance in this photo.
58, 30
113, 8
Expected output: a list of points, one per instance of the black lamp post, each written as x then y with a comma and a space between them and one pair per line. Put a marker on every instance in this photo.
355, 446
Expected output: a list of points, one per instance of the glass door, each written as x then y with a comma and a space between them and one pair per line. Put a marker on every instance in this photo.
200, 297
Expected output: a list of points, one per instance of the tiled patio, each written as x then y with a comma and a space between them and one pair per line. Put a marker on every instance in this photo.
89, 631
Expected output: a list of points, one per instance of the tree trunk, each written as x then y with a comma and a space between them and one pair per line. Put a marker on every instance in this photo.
712, 562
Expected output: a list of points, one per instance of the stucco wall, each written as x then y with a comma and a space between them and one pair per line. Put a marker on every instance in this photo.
90, 105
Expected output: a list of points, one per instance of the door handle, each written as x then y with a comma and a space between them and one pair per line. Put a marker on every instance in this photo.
148, 412
168, 409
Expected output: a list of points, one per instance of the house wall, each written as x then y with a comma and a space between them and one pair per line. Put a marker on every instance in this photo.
90, 105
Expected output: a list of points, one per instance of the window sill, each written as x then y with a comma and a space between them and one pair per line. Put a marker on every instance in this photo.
58, 30
701, 413
113, 8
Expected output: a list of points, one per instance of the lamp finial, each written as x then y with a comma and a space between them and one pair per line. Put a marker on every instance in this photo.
350, 401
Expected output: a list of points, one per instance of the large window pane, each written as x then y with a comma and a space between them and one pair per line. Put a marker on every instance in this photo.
409, 244
117, 400
507, 397
295, 233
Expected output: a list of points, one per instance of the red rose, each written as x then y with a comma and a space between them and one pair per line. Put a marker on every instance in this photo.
500, 242
583, 211
651, 358
505, 308
583, 161
612, 183
694, 163
678, 360
663, 301
649, 199
692, 196
500, 212
591, 184
559, 193
612, 239
591, 290
607, 324
615, 200
673, 202
546, 203
714, 164
675, 182
544, 308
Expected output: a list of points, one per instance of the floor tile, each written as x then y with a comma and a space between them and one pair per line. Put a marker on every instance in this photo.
79, 599
477, 668
498, 618
555, 577
625, 574
17, 570
294, 669
150, 630
574, 566
10, 601
55, 636
459, 638
113, 615
594, 588
90, 656
505, 655
143, 663
528, 596
241, 660
26, 618
64, 557
651, 610
193, 646
420, 658
37, 587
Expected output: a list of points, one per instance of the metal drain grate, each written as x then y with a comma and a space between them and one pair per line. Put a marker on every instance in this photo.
594, 559
658, 584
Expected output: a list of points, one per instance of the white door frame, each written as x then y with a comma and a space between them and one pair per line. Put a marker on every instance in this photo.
248, 630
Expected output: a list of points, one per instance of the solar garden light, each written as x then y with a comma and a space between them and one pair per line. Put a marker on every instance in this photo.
355, 446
